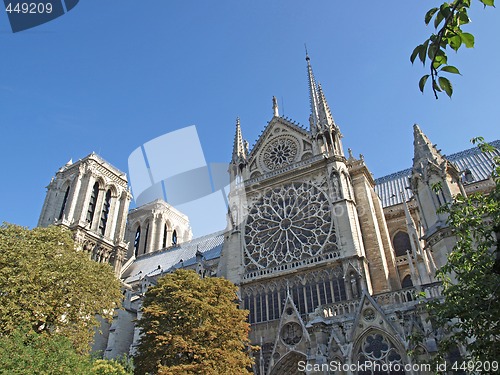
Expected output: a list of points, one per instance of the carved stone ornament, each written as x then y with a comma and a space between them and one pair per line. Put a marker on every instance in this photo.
280, 152
369, 315
291, 333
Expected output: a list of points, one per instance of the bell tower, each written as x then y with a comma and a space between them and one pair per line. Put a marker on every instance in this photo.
91, 198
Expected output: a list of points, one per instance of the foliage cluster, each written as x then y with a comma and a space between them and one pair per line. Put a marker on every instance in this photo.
49, 286
192, 325
24, 352
469, 316
449, 18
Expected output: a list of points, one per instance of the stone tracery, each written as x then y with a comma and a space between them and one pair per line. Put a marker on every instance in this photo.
287, 224
280, 152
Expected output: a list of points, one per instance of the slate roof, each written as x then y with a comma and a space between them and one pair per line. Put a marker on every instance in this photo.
480, 164
171, 258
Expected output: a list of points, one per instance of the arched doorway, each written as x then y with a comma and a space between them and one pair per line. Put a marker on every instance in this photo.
290, 364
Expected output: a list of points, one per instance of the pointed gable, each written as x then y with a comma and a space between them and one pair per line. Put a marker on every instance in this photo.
292, 333
283, 142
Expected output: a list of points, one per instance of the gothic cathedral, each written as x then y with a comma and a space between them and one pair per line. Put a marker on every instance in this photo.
328, 260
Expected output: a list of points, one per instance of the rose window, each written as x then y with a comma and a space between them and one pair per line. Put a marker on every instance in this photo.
291, 333
287, 224
280, 152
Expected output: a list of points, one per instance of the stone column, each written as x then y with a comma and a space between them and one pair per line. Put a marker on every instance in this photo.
152, 234
112, 217
159, 232
73, 198
122, 216
86, 190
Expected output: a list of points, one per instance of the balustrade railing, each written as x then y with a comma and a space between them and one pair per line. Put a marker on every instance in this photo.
403, 296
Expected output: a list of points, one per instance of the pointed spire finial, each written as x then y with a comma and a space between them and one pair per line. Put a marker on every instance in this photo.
239, 154
325, 114
275, 107
424, 150
313, 96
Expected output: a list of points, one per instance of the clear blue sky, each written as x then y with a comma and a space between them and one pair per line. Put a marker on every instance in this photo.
111, 75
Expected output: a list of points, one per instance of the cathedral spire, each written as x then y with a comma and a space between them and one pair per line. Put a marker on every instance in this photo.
313, 97
323, 128
239, 152
424, 150
325, 115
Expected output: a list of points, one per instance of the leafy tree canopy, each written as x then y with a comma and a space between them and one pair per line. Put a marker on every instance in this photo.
24, 352
469, 316
192, 325
449, 18
48, 285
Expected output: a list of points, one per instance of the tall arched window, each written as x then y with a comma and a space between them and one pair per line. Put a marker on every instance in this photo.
92, 203
146, 239
346, 183
174, 237
165, 232
105, 212
63, 206
406, 283
137, 238
401, 243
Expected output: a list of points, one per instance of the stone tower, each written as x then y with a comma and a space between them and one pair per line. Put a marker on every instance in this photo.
91, 198
154, 226
306, 229
434, 181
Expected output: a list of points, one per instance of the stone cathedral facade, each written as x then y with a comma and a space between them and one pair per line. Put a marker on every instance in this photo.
327, 259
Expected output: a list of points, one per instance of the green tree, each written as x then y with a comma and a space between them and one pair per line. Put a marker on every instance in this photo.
25, 352
48, 285
449, 18
469, 315
108, 367
192, 325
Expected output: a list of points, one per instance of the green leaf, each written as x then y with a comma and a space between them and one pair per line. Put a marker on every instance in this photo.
463, 17
433, 48
416, 52
467, 39
439, 60
429, 15
477, 140
436, 87
422, 82
423, 51
445, 10
490, 3
450, 69
455, 42
438, 19
446, 86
